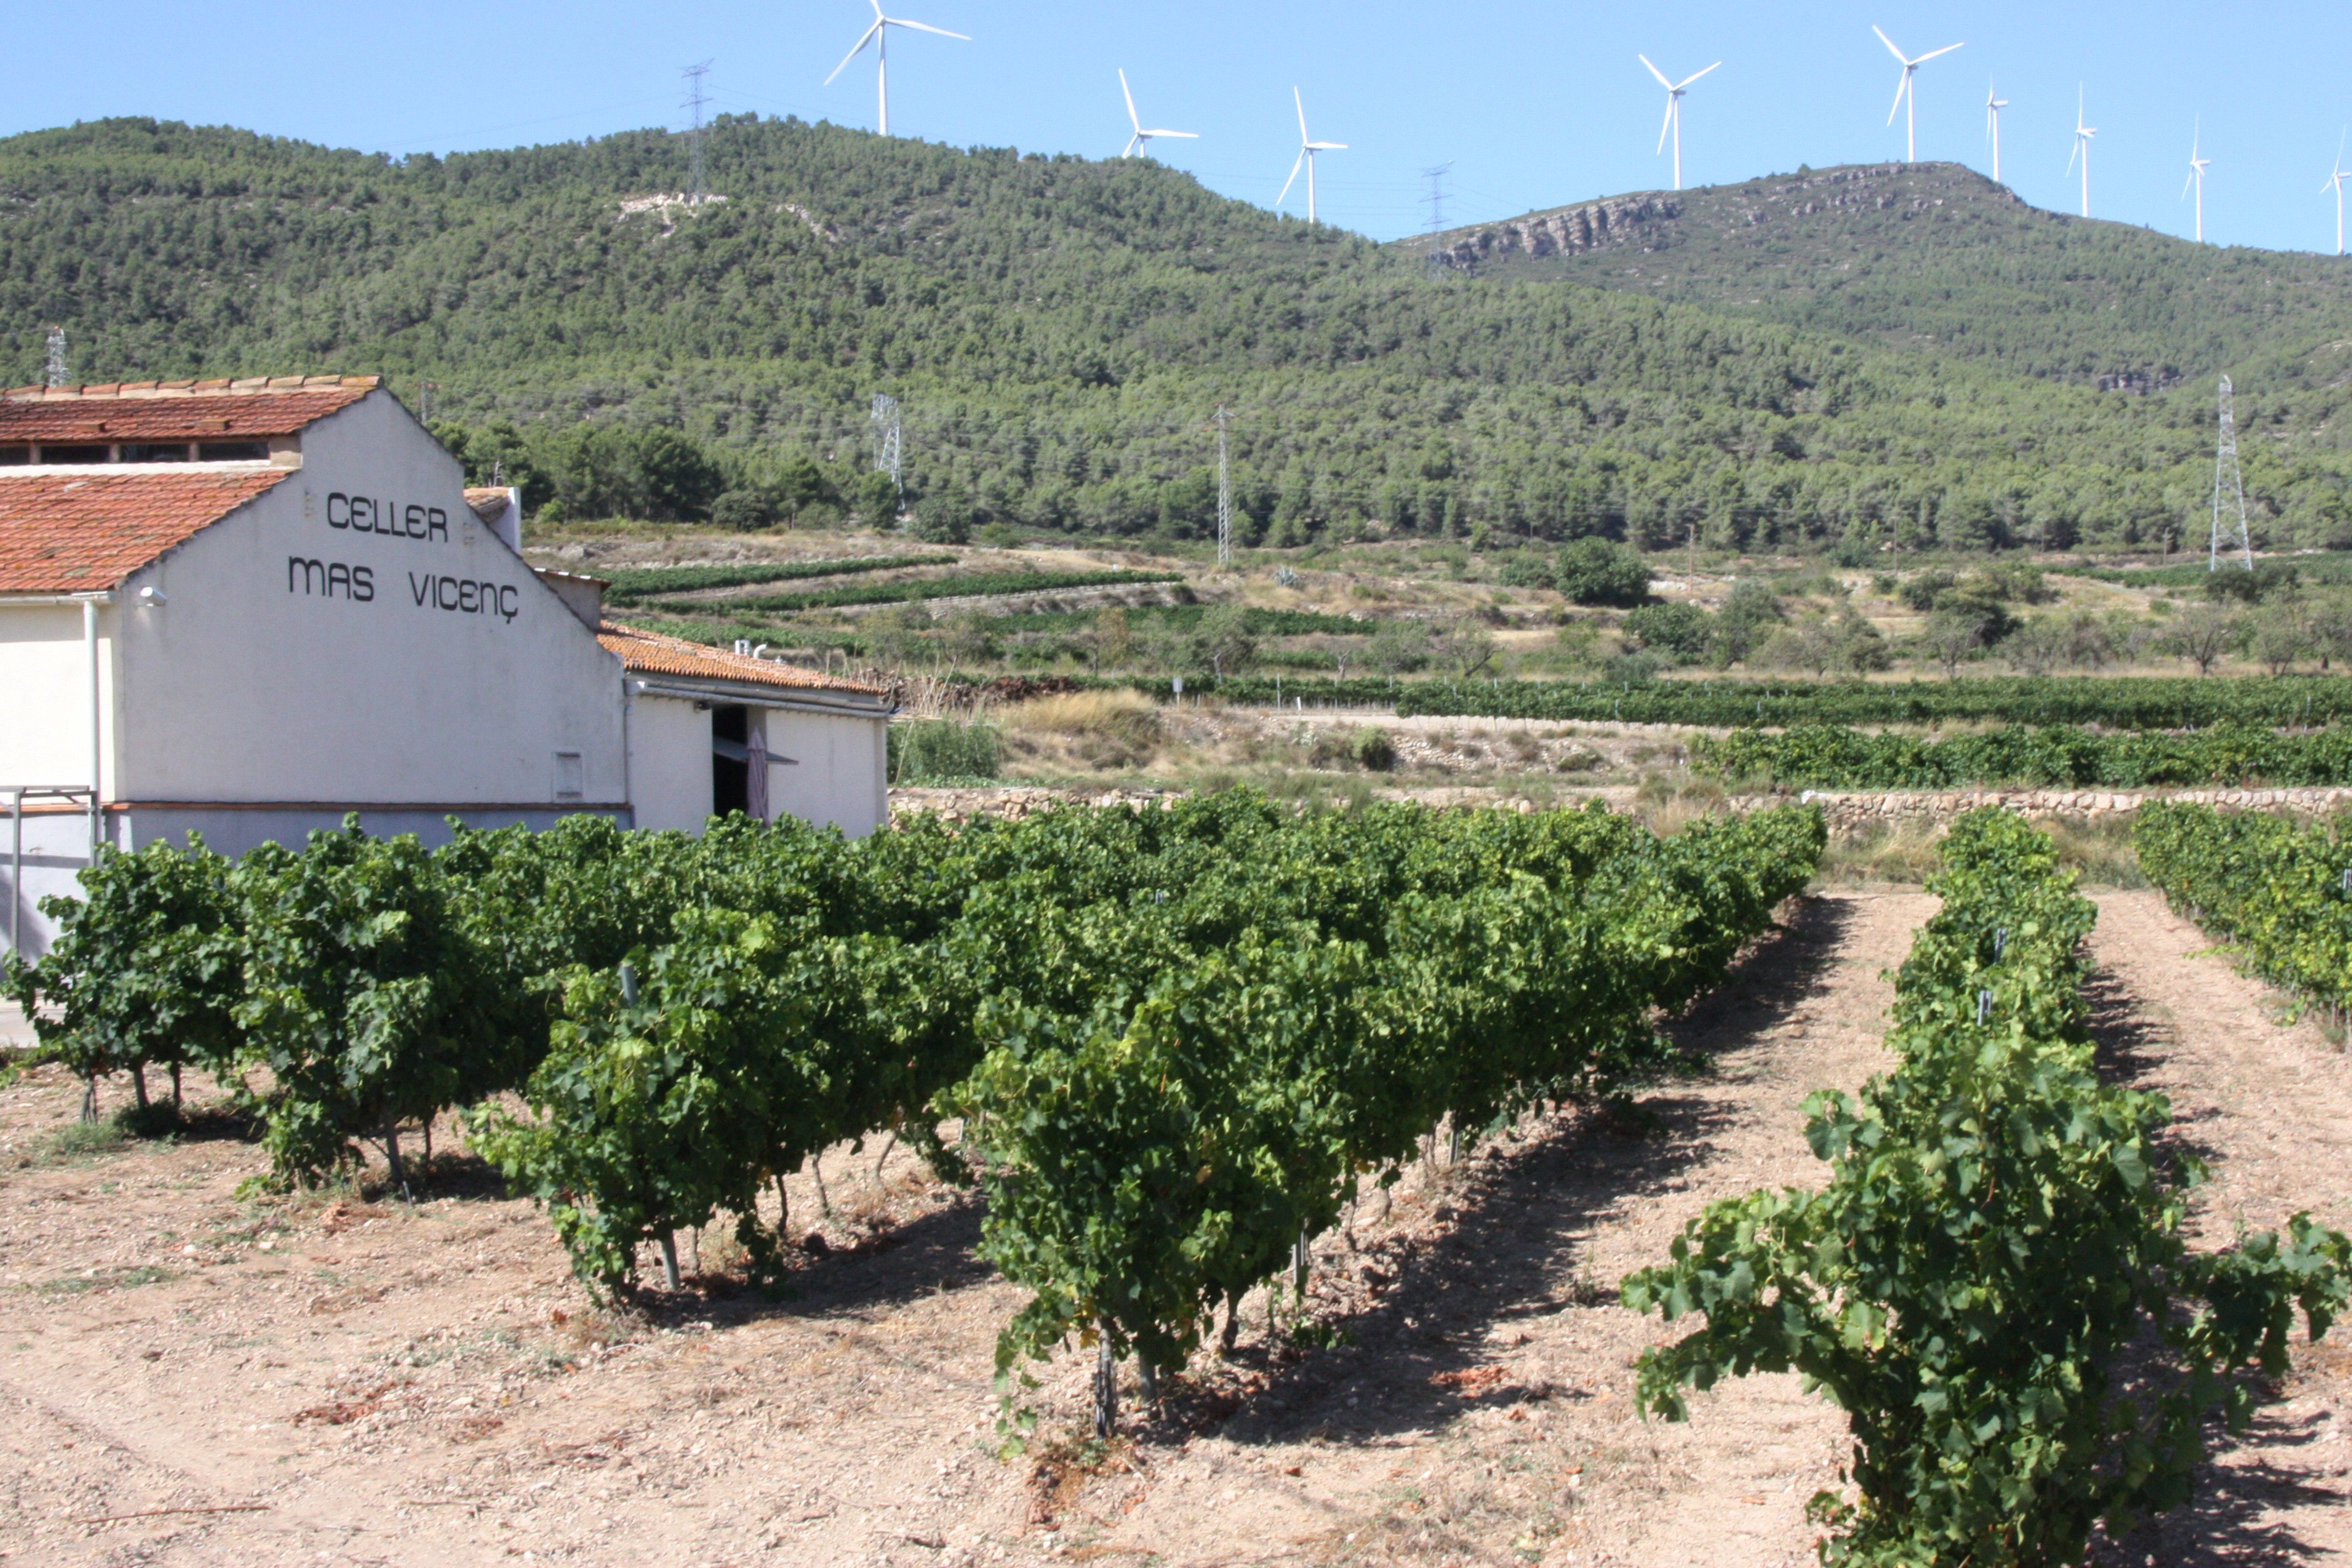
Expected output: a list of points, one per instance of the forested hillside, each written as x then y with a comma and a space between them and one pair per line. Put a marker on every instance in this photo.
1935, 256
1059, 331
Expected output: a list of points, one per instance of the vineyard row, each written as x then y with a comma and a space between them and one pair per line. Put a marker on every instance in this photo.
1820, 756
2280, 893
1997, 1252
1179, 1042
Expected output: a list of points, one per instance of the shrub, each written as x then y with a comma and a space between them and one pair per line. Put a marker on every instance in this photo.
743, 509
1598, 572
1681, 632
1374, 750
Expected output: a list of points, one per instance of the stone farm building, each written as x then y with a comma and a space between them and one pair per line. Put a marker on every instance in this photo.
249, 607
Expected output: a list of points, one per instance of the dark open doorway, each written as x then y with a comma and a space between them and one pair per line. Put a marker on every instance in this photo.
730, 774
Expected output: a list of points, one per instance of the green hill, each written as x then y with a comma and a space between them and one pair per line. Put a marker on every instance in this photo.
1936, 257
1059, 331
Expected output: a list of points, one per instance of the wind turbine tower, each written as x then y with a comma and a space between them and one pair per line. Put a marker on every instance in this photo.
878, 35
2083, 134
2196, 167
1308, 148
1141, 142
2229, 487
1674, 125
1906, 94
1994, 104
2335, 182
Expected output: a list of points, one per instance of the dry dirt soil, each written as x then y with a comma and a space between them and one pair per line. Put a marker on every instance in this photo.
189, 1377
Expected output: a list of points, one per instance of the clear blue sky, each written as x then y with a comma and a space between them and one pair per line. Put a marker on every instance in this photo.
1534, 105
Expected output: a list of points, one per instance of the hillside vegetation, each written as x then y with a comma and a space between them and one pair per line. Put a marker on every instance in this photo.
1937, 257
1059, 331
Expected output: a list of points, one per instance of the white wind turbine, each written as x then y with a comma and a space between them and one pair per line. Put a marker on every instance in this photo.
1993, 106
2083, 134
1308, 148
2196, 167
2336, 182
1905, 93
878, 35
1141, 140
1674, 125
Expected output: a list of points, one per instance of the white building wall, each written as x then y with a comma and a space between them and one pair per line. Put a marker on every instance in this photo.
670, 763
837, 772
45, 717
357, 636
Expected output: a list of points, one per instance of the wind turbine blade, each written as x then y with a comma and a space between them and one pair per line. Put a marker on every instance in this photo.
2188, 182
1188, 135
2077, 148
1326, 146
1889, 43
1128, 93
1293, 180
1656, 72
1900, 88
1931, 54
864, 39
1302, 115
1694, 77
1669, 125
1128, 152
927, 27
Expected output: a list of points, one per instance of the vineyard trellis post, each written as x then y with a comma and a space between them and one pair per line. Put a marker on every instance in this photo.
1106, 1381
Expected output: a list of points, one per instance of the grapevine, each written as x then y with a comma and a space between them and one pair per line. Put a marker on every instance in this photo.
1999, 1228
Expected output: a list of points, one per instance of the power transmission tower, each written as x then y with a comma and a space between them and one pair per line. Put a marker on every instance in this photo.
695, 100
1436, 202
886, 442
2229, 487
57, 373
1224, 497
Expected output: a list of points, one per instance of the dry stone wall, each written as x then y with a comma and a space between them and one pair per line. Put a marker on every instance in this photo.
1847, 810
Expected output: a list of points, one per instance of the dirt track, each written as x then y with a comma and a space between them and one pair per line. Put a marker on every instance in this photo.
394, 1385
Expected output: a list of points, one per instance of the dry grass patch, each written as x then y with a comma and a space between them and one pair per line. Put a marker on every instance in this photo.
1107, 732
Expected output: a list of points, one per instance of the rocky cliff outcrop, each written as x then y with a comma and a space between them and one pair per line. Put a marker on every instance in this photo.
1647, 221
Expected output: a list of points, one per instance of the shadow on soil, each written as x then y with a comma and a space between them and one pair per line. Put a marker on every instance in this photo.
934, 1252
2231, 1519
1518, 1212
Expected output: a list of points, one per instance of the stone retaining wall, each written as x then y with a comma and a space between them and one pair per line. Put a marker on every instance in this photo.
1845, 809
1850, 809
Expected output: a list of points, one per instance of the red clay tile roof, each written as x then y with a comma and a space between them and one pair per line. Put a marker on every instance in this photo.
70, 533
651, 653
177, 410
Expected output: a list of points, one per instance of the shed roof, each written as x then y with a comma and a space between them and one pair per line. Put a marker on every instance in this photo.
177, 410
78, 533
653, 653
